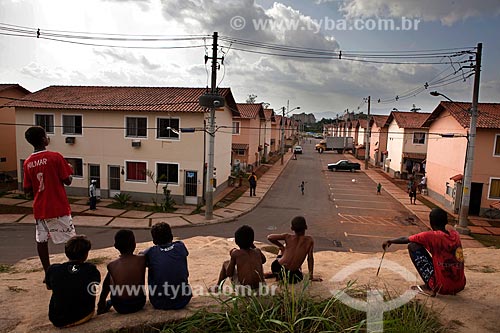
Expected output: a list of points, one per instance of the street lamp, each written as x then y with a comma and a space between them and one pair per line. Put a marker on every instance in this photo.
283, 127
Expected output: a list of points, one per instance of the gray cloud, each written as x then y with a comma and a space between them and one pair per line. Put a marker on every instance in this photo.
127, 57
447, 12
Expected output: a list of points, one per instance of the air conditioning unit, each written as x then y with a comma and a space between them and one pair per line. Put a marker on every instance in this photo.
70, 140
136, 143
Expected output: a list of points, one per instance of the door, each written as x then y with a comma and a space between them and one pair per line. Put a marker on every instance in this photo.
191, 188
114, 180
476, 193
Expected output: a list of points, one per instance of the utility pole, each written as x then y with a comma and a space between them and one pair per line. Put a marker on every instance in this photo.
282, 135
464, 207
209, 203
367, 137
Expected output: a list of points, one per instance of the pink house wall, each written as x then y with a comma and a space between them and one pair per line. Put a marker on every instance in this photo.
249, 134
446, 158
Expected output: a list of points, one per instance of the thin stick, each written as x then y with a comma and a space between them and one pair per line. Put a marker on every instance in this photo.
378, 270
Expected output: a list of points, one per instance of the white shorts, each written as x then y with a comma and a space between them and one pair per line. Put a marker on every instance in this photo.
59, 229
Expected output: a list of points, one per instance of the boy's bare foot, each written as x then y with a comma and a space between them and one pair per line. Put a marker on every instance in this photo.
424, 290
317, 279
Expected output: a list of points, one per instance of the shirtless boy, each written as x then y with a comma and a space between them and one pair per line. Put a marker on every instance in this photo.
294, 251
437, 256
127, 270
245, 266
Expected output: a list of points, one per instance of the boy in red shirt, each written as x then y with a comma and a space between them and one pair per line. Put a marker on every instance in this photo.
437, 256
45, 174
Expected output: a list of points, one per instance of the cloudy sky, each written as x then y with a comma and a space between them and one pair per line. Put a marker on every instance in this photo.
324, 87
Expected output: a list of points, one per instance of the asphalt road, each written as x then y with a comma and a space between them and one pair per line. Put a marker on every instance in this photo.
342, 215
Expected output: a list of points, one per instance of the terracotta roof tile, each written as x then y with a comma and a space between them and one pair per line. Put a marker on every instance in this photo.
152, 99
379, 120
5, 86
243, 146
408, 119
250, 111
488, 114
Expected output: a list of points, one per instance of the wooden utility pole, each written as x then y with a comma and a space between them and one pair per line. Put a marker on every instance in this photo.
367, 137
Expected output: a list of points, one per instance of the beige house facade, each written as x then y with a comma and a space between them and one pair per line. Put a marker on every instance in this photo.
247, 136
406, 143
131, 138
378, 139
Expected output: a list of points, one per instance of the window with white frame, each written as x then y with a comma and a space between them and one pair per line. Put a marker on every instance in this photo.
77, 165
236, 127
46, 121
496, 151
72, 124
167, 173
136, 171
165, 128
418, 138
137, 127
494, 190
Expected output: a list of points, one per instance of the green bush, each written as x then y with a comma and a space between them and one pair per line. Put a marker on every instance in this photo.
122, 199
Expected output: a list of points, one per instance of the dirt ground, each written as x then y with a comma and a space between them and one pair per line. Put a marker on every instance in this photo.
24, 299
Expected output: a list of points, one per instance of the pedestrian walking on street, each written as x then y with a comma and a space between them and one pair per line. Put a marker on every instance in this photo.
379, 187
253, 183
92, 194
302, 186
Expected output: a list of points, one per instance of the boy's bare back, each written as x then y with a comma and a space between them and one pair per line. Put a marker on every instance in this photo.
297, 248
249, 266
128, 270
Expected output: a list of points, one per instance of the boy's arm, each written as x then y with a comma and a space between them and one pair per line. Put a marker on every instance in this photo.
263, 257
400, 240
276, 238
232, 264
310, 263
101, 306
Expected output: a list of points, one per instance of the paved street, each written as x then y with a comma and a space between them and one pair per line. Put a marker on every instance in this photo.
342, 215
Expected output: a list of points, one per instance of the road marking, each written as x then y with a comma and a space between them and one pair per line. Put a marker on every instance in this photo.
368, 236
389, 210
365, 201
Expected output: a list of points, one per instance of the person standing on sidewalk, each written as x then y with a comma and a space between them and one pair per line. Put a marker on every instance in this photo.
45, 174
302, 187
92, 194
252, 180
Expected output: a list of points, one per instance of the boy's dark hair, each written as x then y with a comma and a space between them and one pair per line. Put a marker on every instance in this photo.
438, 218
35, 135
161, 233
299, 224
77, 248
244, 237
125, 241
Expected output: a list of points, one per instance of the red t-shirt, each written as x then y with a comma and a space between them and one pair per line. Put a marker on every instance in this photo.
44, 172
447, 258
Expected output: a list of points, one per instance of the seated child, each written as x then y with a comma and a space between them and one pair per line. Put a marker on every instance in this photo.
437, 256
168, 274
126, 275
245, 266
73, 301
293, 253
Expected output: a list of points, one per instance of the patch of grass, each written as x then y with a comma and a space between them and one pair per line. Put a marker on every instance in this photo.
98, 260
34, 270
488, 240
4, 268
270, 249
292, 309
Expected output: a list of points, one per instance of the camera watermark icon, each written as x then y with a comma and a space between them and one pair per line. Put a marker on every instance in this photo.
326, 24
374, 306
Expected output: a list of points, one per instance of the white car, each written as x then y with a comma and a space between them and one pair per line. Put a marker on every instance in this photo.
297, 150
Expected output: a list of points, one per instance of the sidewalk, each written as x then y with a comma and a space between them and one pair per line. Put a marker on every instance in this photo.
133, 219
420, 210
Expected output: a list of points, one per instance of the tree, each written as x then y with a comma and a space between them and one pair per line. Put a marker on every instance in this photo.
251, 99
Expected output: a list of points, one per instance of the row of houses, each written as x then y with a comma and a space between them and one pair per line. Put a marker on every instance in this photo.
130, 139
434, 144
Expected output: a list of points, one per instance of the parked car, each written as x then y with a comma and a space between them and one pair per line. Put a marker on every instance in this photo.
344, 165
297, 150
